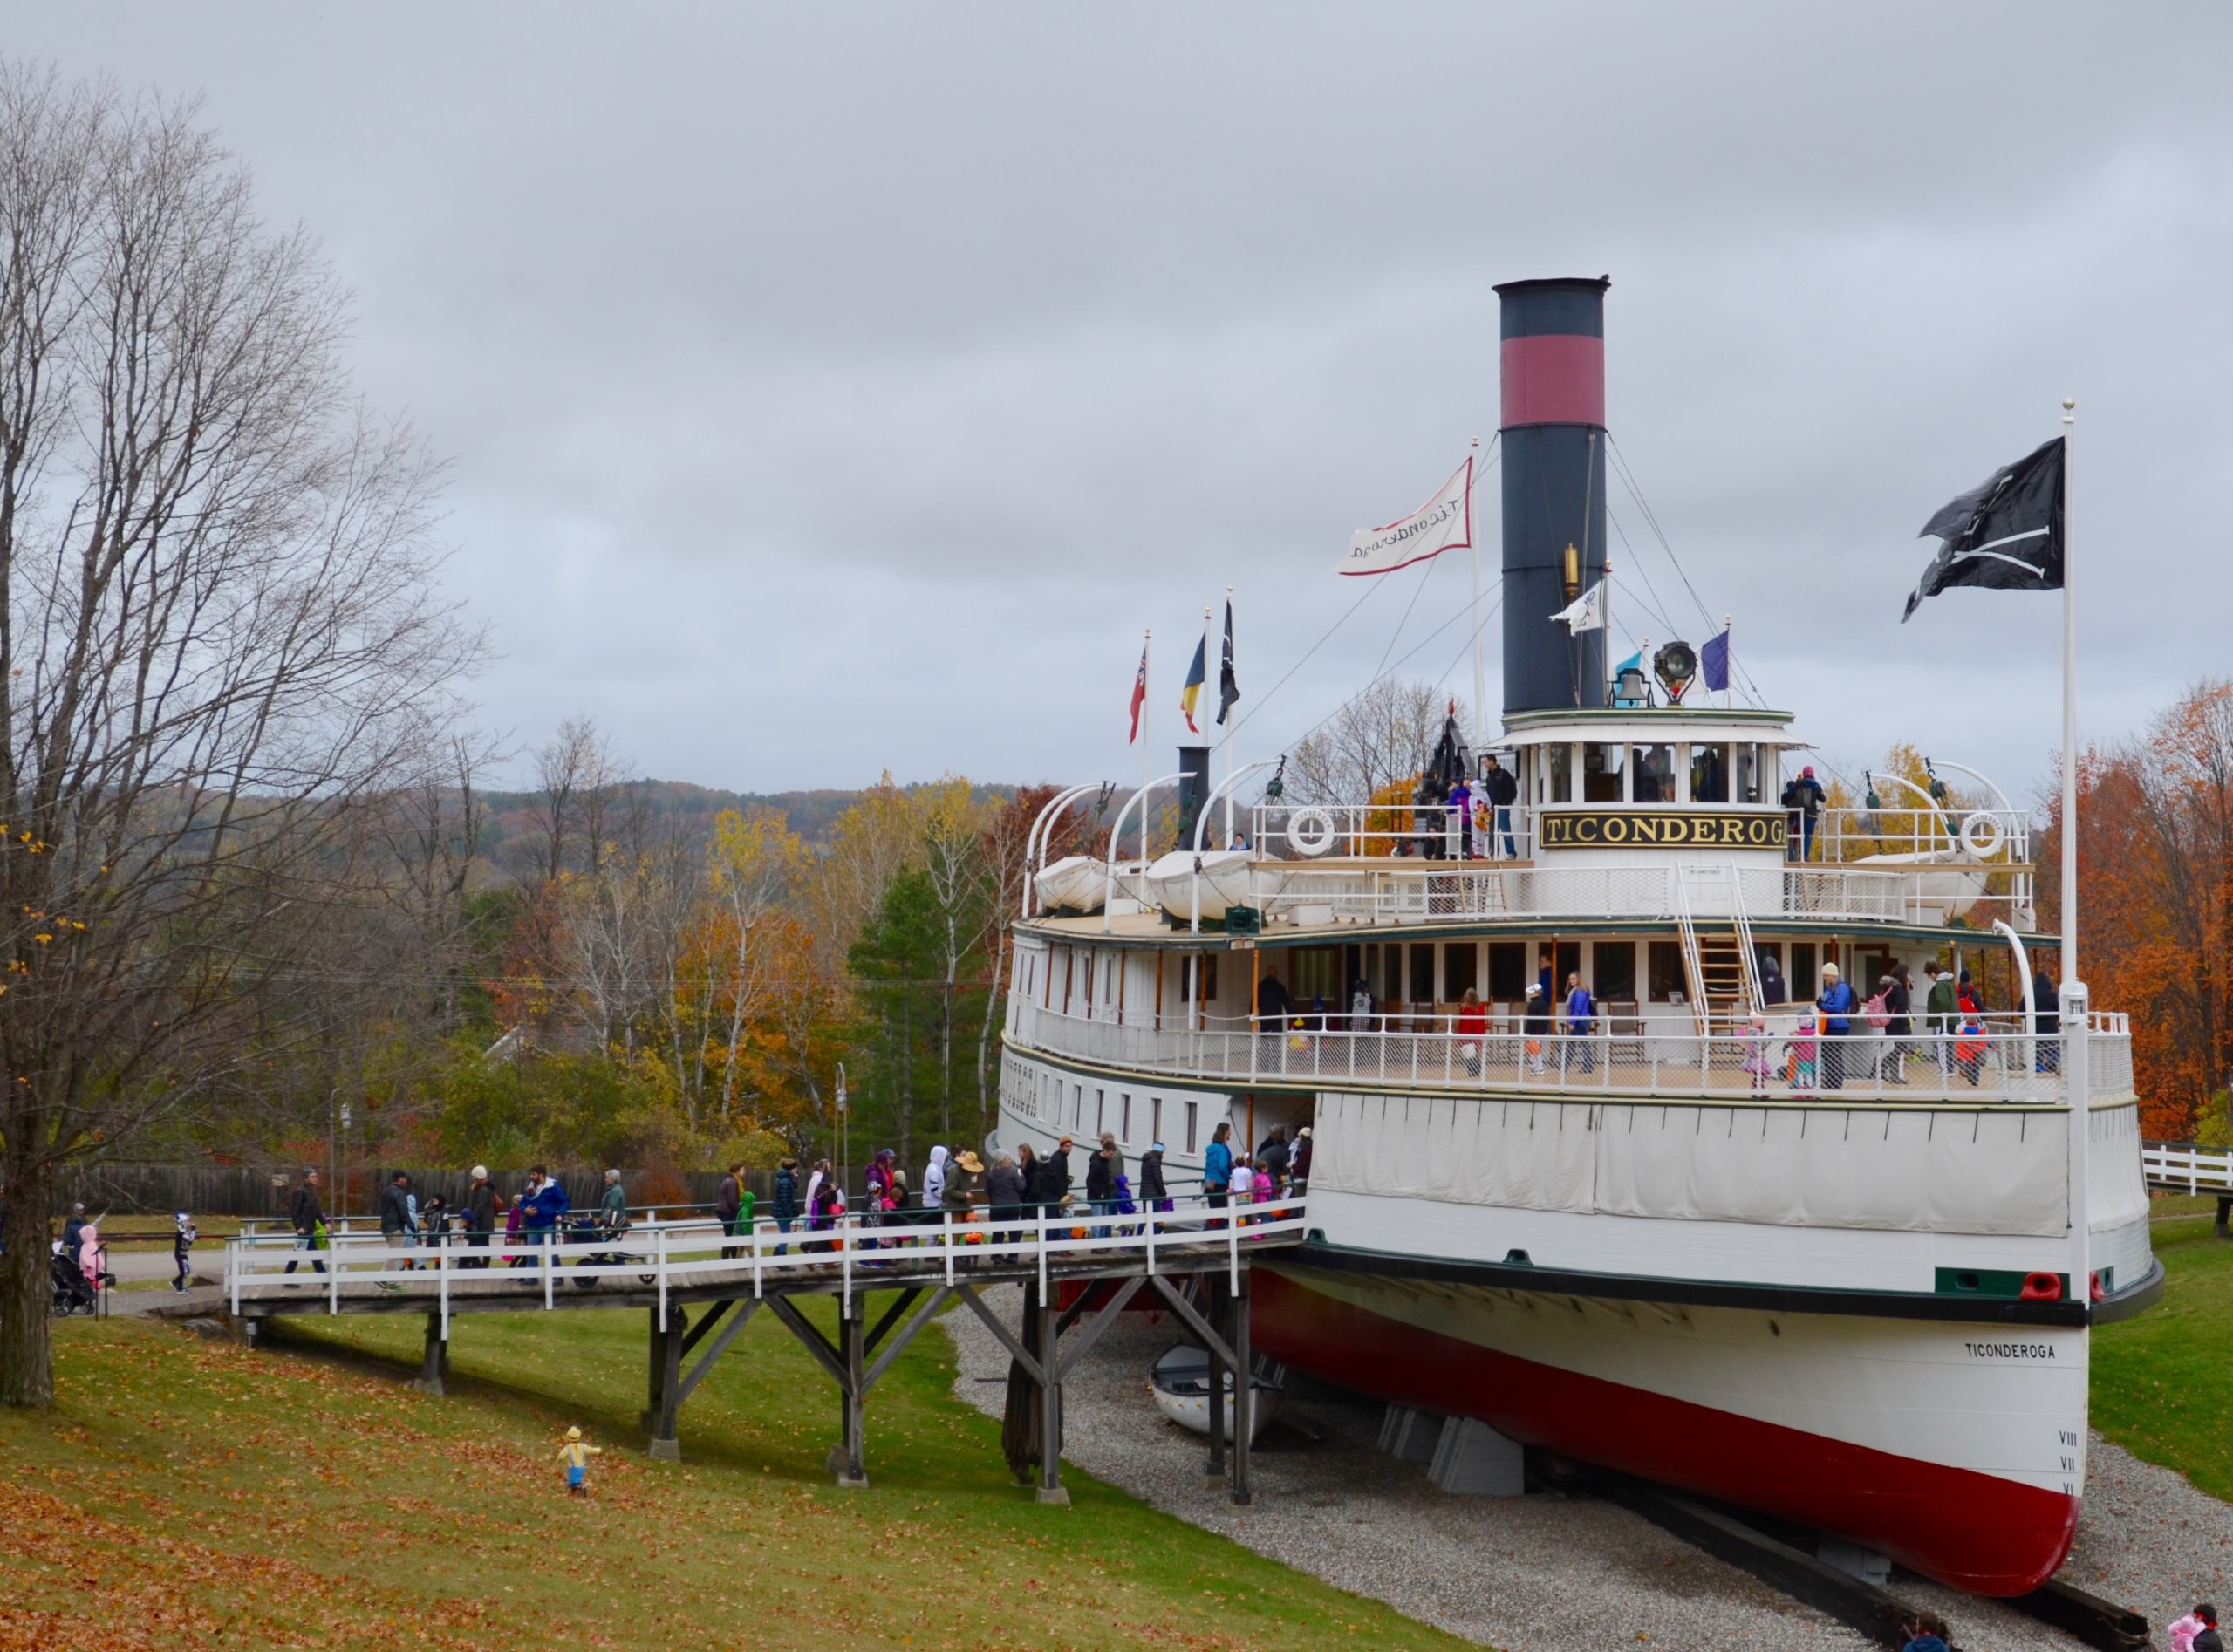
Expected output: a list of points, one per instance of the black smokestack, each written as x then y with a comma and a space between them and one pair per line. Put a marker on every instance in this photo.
1553, 426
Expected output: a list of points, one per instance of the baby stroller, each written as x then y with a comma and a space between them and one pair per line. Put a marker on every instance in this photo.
587, 1229
72, 1293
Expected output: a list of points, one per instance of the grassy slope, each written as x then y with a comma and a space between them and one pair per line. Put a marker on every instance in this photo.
2163, 1382
305, 1497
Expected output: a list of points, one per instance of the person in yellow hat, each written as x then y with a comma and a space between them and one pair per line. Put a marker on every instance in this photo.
575, 1455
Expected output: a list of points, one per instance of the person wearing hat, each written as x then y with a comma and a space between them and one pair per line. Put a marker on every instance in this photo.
1838, 1006
1802, 802
1153, 1194
479, 1215
182, 1238
1299, 1166
306, 1219
1536, 1024
73, 1230
961, 1170
575, 1455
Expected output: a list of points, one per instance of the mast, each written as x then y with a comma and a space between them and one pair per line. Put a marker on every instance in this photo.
1147, 740
1480, 676
1228, 721
2076, 1008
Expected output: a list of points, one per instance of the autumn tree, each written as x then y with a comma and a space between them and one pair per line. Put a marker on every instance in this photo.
1382, 735
220, 629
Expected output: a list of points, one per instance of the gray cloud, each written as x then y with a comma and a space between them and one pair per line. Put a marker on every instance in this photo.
840, 388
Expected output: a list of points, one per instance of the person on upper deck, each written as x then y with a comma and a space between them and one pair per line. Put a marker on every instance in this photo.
1460, 803
1472, 1030
1772, 989
1942, 1009
1581, 1013
1502, 791
1536, 1025
2046, 1022
1272, 1004
1837, 1005
1802, 801
1359, 1007
1898, 1028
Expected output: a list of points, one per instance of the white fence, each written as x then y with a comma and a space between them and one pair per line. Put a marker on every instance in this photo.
1999, 1064
856, 1252
2176, 1164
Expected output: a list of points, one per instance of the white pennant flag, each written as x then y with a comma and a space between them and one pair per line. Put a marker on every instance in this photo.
1445, 522
1587, 612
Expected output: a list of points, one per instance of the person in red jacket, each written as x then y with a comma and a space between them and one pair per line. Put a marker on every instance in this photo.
1472, 1030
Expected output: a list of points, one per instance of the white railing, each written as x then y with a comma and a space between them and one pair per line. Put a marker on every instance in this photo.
1295, 832
1905, 828
1411, 891
855, 1252
2176, 1164
1626, 1055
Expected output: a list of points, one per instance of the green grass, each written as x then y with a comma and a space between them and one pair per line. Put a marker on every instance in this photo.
2163, 1382
186, 1493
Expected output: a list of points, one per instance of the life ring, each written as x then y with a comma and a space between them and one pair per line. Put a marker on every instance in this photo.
1310, 832
1982, 835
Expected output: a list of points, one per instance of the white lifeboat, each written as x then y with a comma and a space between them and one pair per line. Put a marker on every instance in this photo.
1226, 881
1080, 883
1943, 881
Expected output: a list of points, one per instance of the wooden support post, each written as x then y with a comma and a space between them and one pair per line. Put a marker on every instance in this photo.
1244, 1390
2224, 1207
853, 1329
667, 1394
1213, 1469
1050, 1407
436, 1365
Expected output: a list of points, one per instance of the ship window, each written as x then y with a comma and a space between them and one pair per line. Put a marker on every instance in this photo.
1077, 1105
1100, 1111
1655, 774
1748, 773
1558, 764
1422, 973
1800, 976
1601, 773
1155, 1118
1615, 976
1461, 964
1317, 973
1670, 981
1709, 774
1507, 970
1124, 1118
1193, 1113
1204, 968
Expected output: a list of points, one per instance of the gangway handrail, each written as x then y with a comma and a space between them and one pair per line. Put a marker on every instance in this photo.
859, 1251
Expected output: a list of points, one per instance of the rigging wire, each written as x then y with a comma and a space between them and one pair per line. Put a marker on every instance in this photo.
1628, 477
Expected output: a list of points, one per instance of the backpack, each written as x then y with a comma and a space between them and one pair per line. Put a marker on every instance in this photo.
1876, 1013
1790, 799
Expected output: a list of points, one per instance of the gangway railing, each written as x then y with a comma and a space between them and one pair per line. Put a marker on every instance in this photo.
860, 1252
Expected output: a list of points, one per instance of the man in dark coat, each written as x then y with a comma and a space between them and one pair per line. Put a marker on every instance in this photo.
2046, 1022
1272, 1156
398, 1231
1941, 1007
1502, 791
728, 1199
305, 1217
1005, 1193
787, 1200
1152, 1192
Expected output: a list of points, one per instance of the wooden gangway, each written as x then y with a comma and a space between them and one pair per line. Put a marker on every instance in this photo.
1196, 1257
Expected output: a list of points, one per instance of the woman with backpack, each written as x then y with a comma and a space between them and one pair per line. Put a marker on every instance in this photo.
1898, 1025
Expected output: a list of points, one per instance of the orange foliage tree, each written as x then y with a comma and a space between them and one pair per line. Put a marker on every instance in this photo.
2155, 916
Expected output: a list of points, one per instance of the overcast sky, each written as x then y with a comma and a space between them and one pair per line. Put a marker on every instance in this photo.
840, 388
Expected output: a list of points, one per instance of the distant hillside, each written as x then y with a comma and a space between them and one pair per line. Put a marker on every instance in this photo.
513, 814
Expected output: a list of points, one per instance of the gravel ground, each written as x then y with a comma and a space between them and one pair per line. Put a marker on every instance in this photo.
1548, 1572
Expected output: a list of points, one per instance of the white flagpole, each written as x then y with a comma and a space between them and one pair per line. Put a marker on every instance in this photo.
1228, 722
2076, 1006
1480, 675
1728, 657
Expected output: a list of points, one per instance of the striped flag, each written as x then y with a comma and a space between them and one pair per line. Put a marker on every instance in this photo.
1192, 692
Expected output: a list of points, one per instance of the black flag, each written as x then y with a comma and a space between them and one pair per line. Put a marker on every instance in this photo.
1228, 689
2004, 535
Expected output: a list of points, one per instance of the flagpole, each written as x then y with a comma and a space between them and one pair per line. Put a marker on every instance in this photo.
1227, 720
1147, 740
2076, 1006
1480, 676
1728, 657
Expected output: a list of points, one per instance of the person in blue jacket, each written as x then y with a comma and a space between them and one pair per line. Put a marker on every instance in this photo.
1581, 1013
546, 1207
1838, 1006
1217, 1166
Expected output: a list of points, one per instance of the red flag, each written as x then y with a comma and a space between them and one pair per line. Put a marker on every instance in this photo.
1139, 695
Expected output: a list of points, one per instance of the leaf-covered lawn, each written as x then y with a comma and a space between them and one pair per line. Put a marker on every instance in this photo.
2163, 1382
187, 1493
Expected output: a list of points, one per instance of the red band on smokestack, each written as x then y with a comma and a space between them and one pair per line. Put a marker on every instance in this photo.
1554, 378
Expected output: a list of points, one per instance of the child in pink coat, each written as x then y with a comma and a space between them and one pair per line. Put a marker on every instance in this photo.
2184, 1632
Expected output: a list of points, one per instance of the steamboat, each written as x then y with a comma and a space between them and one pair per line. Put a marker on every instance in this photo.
1852, 1290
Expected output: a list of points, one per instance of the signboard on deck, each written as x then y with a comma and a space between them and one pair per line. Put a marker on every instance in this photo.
1661, 829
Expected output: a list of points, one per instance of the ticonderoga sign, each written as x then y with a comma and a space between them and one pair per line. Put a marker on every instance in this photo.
1660, 829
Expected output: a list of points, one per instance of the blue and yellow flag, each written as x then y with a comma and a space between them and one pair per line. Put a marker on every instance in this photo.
1192, 692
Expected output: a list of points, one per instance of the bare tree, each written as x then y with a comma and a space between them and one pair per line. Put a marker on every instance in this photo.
220, 628
1384, 735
